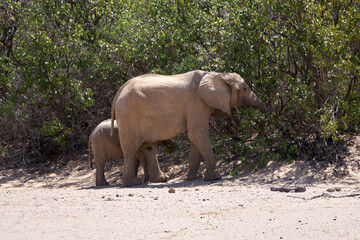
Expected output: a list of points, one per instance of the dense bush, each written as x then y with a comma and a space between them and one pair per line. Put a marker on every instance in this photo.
62, 61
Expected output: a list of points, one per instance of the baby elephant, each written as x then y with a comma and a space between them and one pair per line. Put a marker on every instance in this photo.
106, 147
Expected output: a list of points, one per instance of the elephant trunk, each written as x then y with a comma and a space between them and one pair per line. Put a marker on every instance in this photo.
262, 107
254, 101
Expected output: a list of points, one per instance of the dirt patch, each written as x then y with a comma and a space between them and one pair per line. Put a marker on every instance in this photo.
63, 203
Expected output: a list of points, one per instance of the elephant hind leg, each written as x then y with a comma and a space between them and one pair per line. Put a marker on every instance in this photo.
130, 171
129, 147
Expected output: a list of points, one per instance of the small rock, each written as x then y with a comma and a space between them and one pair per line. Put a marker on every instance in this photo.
197, 189
333, 189
172, 190
288, 189
117, 195
131, 195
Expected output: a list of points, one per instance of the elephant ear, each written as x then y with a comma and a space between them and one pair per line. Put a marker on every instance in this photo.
215, 92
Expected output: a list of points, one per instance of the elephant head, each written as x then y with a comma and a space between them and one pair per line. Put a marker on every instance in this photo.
224, 91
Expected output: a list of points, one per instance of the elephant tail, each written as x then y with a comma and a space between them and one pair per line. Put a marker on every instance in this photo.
112, 119
91, 162
113, 115
113, 105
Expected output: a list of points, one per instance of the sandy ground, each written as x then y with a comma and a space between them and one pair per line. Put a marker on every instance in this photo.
64, 204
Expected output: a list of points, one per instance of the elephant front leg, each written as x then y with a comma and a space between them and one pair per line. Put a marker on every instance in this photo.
194, 162
100, 176
200, 137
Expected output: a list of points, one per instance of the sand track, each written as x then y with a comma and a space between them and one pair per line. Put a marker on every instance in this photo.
64, 204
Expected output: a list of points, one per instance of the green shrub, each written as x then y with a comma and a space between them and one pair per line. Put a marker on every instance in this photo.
301, 57
56, 131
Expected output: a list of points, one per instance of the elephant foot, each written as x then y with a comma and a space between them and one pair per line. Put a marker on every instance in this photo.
102, 183
211, 176
130, 182
192, 176
161, 178
146, 179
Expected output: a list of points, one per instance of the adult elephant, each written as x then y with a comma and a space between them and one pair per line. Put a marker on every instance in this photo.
151, 108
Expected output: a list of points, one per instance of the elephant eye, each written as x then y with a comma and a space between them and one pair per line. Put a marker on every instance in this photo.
244, 88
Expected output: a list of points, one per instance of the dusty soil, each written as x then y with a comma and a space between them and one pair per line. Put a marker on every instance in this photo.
64, 204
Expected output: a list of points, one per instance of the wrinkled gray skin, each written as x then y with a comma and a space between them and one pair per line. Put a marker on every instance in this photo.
106, 147
151, 108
